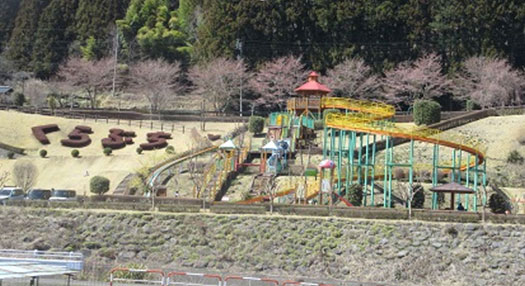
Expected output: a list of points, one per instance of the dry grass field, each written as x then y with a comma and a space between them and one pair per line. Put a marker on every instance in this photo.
60, 170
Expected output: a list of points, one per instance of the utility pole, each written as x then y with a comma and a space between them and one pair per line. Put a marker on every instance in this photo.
115, 61
238, 46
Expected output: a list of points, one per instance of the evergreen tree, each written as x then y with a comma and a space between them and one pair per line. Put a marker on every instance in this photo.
156, 28
8, 11
96, 18
53, 37
24, 33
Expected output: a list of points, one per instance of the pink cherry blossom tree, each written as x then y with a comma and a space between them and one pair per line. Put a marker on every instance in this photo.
93, 77
219, 81
276, 81
490, 82
422, 79
353, 78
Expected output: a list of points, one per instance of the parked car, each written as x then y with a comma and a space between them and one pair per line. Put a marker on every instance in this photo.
63, 195
38, 194
11, 193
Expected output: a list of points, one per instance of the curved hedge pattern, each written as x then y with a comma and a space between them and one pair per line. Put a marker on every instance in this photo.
118, 139
78, 138
40, 132
157, 140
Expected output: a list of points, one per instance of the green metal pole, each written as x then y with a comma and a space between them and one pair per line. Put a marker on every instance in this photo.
325, 138
372, 180
484, 181
339, 160
390, 163
332, 143
352, 163
475, 185
411, 168
385, 178
360, 160
365, 191
349, 158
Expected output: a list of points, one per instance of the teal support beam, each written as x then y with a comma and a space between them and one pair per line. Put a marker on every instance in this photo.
339, 160
484, 199
325, 138
332, 143
475, 185
372, 180
365, 191
360, 160
385, 179
411, 168
435, 163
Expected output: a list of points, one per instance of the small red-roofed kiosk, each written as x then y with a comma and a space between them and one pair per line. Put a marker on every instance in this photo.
310, 96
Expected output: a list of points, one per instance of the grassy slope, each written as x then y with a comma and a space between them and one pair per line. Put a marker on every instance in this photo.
60, 170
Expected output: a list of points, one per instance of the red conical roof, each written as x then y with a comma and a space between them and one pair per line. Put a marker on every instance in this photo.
312, 85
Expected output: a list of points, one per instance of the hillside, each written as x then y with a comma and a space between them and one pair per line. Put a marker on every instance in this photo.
60, 170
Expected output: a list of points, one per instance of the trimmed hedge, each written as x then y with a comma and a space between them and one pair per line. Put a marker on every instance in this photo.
157, 140
78, 138
426, 112
118, 139
256, 124
99, 185
40, 132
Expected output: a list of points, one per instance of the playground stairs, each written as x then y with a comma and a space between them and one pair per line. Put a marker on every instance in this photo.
122, 187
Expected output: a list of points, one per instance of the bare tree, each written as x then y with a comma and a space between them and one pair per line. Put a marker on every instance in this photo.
276, 81
490, 82
422, 79
218, 81
409, 191
353, 78
157, 80
25, 174
36, 92
93, 77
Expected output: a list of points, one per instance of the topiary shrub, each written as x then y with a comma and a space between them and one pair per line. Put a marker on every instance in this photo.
20, 99
99, 185
471, 105
43, 153
256, 124
75, 153
10, 155
139, 150
355, 195
107, 151
426, 112
328, 111
418, 201
170, 149
497, 204
515, 157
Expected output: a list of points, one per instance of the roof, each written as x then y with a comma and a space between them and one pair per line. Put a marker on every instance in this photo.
35, 263
5, 89
452, 188
17, 269
313, 85
270, 146
228, 145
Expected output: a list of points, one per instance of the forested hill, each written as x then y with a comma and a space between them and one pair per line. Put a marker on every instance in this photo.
38, 35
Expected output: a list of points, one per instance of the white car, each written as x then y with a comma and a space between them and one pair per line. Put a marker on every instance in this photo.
63, 195
11, 193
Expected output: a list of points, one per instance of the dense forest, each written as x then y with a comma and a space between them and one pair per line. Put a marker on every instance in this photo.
398, 50
38, 35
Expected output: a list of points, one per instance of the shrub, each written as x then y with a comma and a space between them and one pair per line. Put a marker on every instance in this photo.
107, 151
497, 204
99, 185
319, 124
355, 195
75, 153
515, 157
471, 105
256, 124
20, 99
328, 111
426, 112
10, 155
139, 150
170, 149
418, 201
43, 153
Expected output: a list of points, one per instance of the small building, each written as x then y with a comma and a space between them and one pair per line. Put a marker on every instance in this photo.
5, 90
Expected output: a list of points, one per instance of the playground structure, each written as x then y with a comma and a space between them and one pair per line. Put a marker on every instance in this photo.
363, 143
